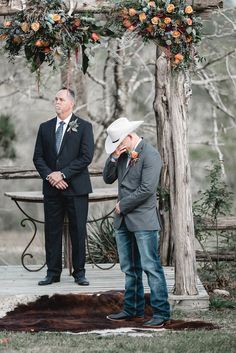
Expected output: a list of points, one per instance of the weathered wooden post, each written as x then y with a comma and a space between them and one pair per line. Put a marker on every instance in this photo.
172, 94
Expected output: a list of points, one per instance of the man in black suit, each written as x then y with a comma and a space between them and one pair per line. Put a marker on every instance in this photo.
63, 150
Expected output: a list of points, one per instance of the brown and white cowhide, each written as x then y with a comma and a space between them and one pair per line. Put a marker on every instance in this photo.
79, 313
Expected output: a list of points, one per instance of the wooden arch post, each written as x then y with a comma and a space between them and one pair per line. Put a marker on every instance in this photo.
170, 105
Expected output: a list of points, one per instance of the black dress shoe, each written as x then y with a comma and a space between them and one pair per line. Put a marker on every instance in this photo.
122, 316
49, 280
156, 323
82, 281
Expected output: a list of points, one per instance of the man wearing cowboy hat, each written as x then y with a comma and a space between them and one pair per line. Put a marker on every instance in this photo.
136, 165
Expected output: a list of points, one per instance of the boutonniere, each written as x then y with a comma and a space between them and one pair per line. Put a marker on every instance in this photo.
133, 157
73, 126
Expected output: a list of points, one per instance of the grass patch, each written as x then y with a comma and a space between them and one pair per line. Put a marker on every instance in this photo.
219, 302
163, 342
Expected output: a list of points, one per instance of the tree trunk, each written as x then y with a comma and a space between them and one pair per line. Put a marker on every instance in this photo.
73, 78
170, 105
115, 93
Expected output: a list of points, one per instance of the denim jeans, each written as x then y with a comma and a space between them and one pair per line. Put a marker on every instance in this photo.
138, 252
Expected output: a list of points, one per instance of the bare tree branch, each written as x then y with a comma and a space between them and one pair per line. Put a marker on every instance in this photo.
216, 143
214, 79
217, 59
96, 80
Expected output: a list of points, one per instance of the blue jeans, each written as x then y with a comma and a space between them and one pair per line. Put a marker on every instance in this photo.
138, 252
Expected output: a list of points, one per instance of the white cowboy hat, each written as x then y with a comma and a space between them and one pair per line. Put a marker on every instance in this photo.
118, 131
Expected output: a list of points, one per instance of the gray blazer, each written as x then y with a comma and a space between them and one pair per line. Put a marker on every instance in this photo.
137, 186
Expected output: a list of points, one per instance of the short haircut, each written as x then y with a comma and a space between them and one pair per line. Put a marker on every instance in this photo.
71, 92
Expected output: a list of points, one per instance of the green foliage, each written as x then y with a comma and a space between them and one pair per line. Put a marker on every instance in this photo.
101, 242
215, 201
172, 25
7, 137
45, 32
163, 194
217, 302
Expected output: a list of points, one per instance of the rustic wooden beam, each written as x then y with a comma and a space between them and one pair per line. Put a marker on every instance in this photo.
222, 256
203, 7
223, 223
31, 173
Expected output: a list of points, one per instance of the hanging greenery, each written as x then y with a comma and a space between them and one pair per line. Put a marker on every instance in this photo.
171, 24
46, 31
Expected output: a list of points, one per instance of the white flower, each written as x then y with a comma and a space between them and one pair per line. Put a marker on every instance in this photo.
73, 126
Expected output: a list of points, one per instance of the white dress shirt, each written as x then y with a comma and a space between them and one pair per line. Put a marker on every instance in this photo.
66, 121
129, 157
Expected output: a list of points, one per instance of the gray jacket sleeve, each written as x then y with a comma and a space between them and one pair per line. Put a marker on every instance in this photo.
149, 182
110, 171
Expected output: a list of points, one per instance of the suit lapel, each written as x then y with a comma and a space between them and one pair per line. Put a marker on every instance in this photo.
138, 149
123, 164
67, 133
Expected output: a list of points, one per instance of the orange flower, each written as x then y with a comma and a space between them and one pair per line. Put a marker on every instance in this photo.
142, 17
7, 23
132, 12
155, 20
39, 43
35, 26
95, 37
3, 36
170, 8
25, 27
55, 17
162, 25
149, 28
189, 39
127, 23
175, 34
77, 22
167, 20
124, 12
189, 21
178, 58
17, 40
131, 28
152, 4
133, 154
188, 9
4, 340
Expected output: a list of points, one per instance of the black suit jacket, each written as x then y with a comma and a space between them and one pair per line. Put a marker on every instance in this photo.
75, 155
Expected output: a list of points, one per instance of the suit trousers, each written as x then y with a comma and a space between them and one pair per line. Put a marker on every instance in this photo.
55, 209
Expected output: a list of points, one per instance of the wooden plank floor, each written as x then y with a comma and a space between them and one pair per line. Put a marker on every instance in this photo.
19, 285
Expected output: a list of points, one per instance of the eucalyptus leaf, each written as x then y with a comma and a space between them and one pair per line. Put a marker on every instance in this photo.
189, 30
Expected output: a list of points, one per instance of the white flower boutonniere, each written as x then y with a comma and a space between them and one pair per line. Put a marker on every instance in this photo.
73, 126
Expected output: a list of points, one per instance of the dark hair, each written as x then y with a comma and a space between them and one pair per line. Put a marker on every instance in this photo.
71, 92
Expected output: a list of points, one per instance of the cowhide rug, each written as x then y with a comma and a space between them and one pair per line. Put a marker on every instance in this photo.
80, 313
